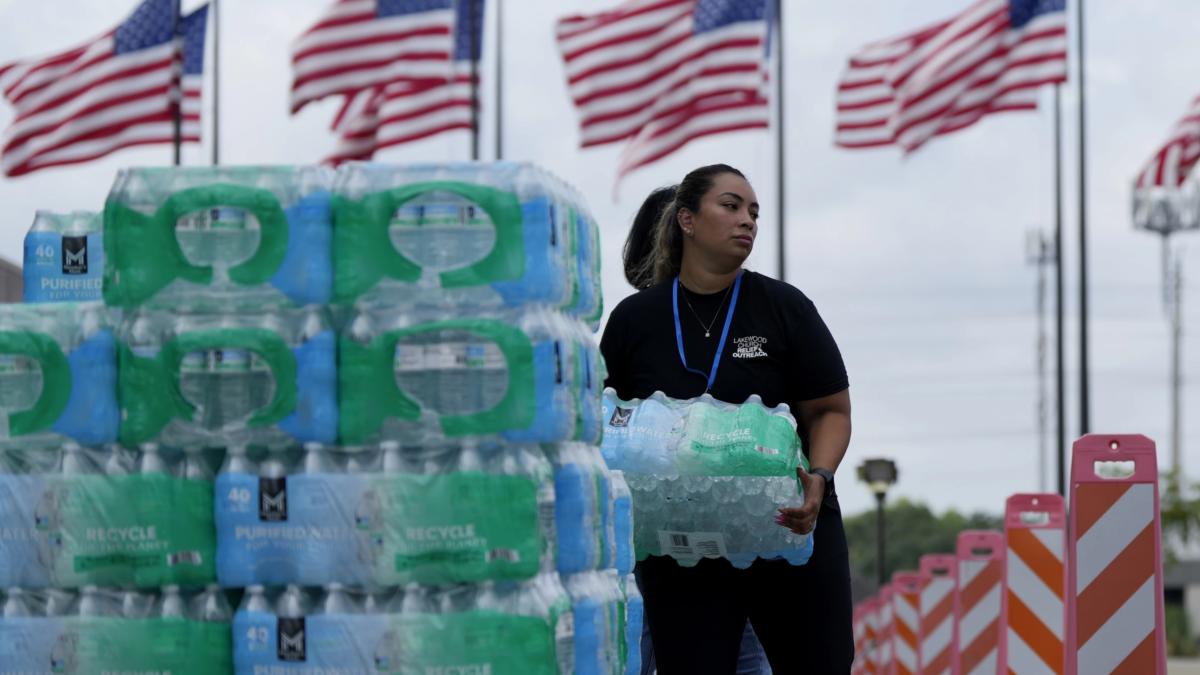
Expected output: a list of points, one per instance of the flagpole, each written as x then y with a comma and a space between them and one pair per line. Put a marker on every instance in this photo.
779, 138
1084, 412
473, 24
216, 84
177, 103
499, 79
1061, 427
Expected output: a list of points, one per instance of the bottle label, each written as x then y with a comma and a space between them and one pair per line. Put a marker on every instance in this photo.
26, 518
692, 544
409, 358
309, 534
192, 362
145, 529
458, 527
446, 356
63, 268
229, 360
76, 644
486, 356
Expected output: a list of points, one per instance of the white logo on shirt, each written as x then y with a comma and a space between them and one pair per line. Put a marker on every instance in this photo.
750, 347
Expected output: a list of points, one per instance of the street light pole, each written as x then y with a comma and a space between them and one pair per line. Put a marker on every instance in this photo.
879, 475
880, 540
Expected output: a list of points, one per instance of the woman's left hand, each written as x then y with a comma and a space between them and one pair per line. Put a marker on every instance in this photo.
803, 519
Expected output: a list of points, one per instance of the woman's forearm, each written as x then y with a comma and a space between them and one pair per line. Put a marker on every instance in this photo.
828, 438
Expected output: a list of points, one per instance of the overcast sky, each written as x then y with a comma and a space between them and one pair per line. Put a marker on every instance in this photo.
916, 264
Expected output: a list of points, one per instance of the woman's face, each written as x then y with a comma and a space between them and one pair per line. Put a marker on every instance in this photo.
727, 222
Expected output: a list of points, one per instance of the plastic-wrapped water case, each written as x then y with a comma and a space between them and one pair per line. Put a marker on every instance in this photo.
587, 302
228, 379
460, 513
219, 237
168, 630
600, 618
635, 613
584, 520
422, 375
58, 375
699, 437
107, 516
731, 517
64, 257
463, 233
497, 628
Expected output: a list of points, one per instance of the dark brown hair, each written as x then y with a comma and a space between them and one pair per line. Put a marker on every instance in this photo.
654, 248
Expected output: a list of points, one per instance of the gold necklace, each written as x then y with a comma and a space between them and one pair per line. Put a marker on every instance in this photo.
708, 328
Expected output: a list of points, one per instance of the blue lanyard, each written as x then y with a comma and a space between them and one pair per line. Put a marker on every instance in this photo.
737, 285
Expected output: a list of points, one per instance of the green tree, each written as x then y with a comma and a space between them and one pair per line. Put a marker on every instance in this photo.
912, 531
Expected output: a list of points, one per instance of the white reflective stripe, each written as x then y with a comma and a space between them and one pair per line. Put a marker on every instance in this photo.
969, 569
1052, 540
905, 654
1112, 533
1121, 634
1038, 597
979, 617
907, 614
938, 640
935, 591
1022, 660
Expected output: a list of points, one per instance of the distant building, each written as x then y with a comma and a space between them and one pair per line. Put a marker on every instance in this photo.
12, 288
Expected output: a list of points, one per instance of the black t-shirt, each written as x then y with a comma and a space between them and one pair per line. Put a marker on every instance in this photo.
778, 346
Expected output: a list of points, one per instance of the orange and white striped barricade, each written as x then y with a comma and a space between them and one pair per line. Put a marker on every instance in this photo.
885, 629
1115, 618
977, 609
939, 590
871, 630
906, 623
859, 667
1033, 611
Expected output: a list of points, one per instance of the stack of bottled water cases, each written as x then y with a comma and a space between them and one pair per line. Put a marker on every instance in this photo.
707, 477
107, 552
430, 538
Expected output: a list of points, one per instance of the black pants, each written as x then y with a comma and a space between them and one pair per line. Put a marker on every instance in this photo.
802, 615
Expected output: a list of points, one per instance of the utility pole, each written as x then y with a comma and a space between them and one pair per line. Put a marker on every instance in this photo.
1039, 251
1173, 295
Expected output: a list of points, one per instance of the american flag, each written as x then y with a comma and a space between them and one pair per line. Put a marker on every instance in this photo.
194, 27
414, 106
116, 91
990, 58
658, 73
1174, 161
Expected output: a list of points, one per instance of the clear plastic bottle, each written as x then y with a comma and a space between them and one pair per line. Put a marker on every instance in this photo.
119, 462
634, 616
446, 360
229, 371
76, 461
293, 603
170, 604
255, 600
196, 465
14, 605
151, 460
236, 461
135, 604
336, 600
622, 523
211, 606
93, 602
317, 459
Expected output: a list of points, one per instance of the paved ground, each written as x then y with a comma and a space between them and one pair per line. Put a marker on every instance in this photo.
1183, 666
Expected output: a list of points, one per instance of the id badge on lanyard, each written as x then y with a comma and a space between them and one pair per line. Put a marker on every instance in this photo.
712, 375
